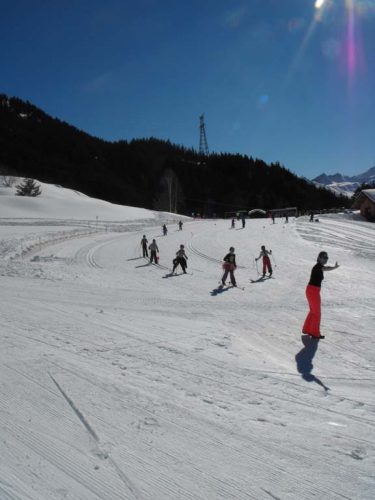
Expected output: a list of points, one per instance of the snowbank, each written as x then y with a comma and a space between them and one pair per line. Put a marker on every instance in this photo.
57, 202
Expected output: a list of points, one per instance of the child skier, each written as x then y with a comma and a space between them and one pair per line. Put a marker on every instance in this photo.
153, 251
144, 242
264, 254
229, 266
312, 323
180, 259
165, 230
180, 225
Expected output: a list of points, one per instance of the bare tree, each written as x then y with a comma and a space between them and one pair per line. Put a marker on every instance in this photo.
170, 197
7, 179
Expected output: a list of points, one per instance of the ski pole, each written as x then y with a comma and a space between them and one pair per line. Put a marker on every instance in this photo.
256, 264
274, 260
221, 274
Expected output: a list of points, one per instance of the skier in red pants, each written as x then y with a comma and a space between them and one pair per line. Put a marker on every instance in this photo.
312, 323
229, 266
266, 260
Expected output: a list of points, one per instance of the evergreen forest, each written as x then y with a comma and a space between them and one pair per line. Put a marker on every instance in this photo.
149, 173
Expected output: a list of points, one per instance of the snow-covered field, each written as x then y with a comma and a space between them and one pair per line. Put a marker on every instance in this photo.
118, 382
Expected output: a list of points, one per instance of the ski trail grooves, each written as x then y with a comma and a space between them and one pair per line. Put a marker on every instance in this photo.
93, 434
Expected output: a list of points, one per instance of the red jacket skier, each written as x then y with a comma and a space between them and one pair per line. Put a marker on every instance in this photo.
312, 323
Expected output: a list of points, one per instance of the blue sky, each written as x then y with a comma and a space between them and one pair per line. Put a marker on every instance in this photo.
279, 80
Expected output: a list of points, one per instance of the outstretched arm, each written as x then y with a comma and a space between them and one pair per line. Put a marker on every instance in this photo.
330, 268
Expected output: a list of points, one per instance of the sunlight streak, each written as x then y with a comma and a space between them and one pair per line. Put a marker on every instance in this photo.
319, 4
350, 40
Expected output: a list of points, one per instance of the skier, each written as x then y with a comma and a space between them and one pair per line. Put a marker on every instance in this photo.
286, 218
229, 266
264, 254
144, 242
311, 216
243, 220
153, 252
180, 259
233, 224
312, 323
180, 225
273, 218
165, 230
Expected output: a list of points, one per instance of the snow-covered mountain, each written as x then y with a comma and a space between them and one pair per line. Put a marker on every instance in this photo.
344, 184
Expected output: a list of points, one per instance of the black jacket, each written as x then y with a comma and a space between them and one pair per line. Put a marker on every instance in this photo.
231, 258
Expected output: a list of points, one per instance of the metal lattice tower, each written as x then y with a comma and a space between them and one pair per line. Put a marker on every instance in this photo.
203, 146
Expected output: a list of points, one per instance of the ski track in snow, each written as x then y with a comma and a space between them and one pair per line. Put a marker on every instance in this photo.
170, 392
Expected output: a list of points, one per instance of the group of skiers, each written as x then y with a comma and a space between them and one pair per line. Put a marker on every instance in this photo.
243, 222
165, 229
229, 261
154, 250
311, 325
153, 247
180, 258
229, 264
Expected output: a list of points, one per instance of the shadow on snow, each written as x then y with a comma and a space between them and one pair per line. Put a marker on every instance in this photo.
219, 289
304, 360
261, 279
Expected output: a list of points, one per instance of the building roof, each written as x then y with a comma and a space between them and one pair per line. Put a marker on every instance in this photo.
370, 193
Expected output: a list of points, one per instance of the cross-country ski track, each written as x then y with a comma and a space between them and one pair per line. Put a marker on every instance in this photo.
118, 384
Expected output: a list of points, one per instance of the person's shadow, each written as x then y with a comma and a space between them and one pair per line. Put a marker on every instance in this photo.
304, 360
219, 289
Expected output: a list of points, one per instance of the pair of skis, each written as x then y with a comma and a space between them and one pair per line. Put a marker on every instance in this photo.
262, 278
227, 286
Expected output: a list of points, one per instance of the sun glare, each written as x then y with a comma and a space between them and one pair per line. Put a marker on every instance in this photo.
319, 3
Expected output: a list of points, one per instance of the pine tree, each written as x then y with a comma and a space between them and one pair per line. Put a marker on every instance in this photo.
28, 188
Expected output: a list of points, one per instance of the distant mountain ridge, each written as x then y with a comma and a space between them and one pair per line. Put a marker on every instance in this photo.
345, 184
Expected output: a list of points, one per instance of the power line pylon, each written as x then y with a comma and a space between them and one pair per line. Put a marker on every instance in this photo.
203, 146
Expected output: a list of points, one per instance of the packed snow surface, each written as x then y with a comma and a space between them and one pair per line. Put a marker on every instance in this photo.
119, 382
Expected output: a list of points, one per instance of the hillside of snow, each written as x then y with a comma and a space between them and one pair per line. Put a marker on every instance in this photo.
56, 202
119, 381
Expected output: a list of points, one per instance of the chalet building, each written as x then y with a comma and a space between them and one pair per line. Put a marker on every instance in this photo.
365, 201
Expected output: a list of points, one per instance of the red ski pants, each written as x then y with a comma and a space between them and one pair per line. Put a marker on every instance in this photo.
312, 321
266, 264
229, 269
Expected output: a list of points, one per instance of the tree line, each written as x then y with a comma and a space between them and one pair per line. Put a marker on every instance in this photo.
148, 173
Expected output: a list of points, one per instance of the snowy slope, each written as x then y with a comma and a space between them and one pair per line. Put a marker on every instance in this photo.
118, 382
56, 202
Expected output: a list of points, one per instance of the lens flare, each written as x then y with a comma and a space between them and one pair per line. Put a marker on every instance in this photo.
348, 13
350, 42
319, 3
